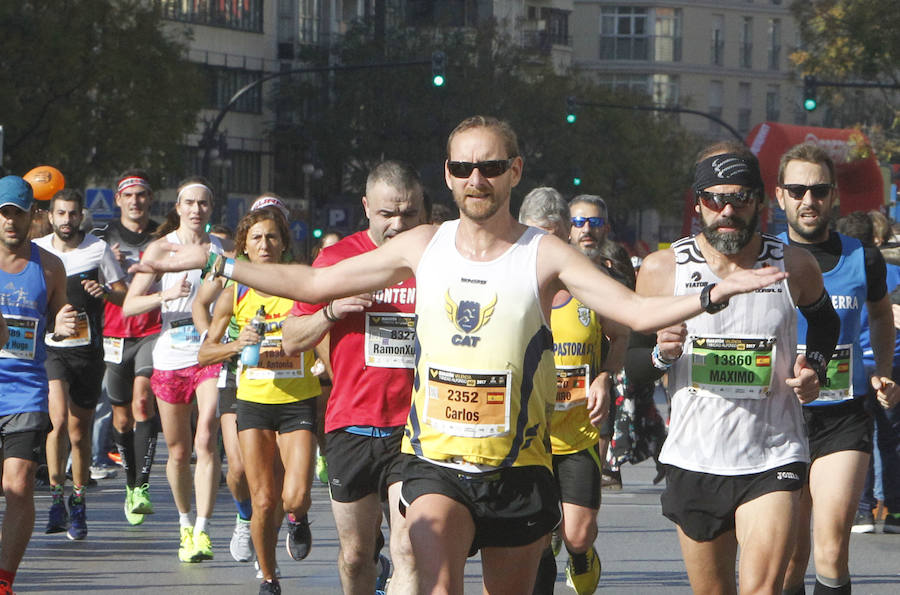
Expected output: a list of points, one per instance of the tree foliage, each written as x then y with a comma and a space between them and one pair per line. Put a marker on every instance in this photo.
858, 41
353, 120
93, 87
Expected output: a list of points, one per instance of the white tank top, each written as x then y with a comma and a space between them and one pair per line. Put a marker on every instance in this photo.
731, 412
179, 342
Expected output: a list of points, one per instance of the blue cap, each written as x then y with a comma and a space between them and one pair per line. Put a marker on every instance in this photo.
16, 191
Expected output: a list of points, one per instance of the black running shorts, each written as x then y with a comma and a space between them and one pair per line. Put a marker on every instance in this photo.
578, 476
833, 428
362, 465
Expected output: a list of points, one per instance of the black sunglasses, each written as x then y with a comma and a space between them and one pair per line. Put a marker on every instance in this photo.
592, 221
798, 191
489, 169
717, 201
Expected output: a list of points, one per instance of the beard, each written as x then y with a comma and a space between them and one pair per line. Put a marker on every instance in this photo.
813, 234
592, 252
484, 210
731, 242
65, 235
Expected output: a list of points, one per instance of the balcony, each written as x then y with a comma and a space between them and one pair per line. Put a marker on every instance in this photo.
543, 41
746, 55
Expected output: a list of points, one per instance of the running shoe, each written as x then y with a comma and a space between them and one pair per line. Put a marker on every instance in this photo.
584, 577
241, 543
611, 480
186, 549
270, 588
140, 500
132, 518
103, 472
555, 542
58, 520
202, 547
322, 469
864, 522
78, 513
259, 572
299, 538
892, 523
384, 573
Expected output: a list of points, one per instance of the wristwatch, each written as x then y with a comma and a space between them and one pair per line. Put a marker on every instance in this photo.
706, 304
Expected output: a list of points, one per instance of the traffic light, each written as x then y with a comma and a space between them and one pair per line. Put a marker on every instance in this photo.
438, 67
576, 177
570, 109
317, 233
809, 93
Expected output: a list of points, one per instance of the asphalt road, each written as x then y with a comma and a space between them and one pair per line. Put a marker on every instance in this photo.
638, 548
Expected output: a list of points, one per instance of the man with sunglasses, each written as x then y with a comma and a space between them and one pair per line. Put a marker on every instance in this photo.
589, 224
736, 452
478, 473
840, 430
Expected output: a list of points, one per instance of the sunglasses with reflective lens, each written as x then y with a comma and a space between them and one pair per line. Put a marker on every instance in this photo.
798, 191
716, 201
489, 169
592, 221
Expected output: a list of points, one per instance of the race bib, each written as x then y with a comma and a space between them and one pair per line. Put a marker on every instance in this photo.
732, 368
112, 349
572, 384
471, 404
274, 363
81, 337
839, 374
22, 337
184, 335
390, 340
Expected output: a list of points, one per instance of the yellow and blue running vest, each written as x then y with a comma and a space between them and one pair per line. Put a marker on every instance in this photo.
277, 378
485, 378
577, 346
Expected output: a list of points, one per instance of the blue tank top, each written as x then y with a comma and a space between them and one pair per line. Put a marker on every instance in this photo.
847, 286
865, 339
23, 302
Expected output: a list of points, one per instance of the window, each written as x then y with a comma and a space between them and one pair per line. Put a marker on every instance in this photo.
667, 46
631, 83
243, 15
665, 89
227, 81
717, 44
623, 34
746, 47
716, 94
307, 31
745, 107
245, 174
774, 44
773, 103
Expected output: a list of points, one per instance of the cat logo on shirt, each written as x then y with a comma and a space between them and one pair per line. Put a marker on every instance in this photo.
468, 316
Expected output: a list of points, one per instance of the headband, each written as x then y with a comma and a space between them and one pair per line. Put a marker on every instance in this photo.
129, 181
193, 185
270, 201
727, 168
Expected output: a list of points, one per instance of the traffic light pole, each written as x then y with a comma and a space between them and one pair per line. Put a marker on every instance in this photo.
655, 108
811, 83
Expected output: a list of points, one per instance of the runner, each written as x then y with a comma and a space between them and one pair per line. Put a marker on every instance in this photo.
177, 377
483, 256
128, 348
276, 398
32, 292
840, 430
583, 392
93, 275
370, 344
736, 452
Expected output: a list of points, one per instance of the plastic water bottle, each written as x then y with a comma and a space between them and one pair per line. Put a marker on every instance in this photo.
250, 353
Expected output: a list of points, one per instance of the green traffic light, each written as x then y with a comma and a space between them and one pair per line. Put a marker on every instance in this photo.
570, 118
317, 233
576, 181
438, 80
809, 104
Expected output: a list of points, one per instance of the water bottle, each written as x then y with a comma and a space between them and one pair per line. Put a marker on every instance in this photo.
250, 353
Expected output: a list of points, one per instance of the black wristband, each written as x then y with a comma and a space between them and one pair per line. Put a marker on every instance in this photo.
706, 300
817, 362
329, 313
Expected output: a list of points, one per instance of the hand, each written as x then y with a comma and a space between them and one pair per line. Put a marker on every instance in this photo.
64, 326
93, 289
247, 336
671, 341
886, 391
895, 308
178, 290
598, 398
4, 331
745, 281
805, 381
165, 257
117, 253
357, 303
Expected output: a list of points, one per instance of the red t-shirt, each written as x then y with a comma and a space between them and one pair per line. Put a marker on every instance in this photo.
363, 395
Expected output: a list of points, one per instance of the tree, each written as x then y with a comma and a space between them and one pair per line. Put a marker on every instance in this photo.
353, 120
93, 87
854, 40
